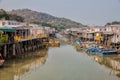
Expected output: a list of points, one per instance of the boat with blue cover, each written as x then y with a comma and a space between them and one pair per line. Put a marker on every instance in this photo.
95, 50
78, 42
107, 52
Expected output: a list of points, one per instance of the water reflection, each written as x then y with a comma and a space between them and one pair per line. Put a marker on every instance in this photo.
112, 62
21, 68
63, 63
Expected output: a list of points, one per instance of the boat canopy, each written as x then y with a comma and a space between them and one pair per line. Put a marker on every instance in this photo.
7, 29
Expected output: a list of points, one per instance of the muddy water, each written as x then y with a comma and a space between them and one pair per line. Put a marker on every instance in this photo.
63, 63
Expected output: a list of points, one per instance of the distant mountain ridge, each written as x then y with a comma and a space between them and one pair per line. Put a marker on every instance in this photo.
39, 17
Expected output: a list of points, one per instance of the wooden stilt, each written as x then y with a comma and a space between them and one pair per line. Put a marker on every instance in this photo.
14, 50
5, 50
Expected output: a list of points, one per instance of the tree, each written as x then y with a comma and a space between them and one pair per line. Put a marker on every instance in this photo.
46, 24
114, 22
6, 16
16, 17
3, 14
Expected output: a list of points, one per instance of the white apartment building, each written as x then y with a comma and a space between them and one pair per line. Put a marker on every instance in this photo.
9, 23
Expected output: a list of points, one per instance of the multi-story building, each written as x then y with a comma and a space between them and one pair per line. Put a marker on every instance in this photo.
9, 23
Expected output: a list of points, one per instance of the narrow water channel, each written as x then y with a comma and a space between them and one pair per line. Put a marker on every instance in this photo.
62, 63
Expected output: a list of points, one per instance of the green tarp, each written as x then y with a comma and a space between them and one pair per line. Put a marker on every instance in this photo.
7, 29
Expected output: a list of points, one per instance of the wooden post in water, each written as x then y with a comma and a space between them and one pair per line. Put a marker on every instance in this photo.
14, 50
5, 50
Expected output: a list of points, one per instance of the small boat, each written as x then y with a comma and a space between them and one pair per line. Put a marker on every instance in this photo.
95, 50
86, 49
52, 43
78, 42
107, 52
1, 60
56, 44
87, 46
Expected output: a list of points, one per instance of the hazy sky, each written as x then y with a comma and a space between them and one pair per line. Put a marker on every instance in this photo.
89, 12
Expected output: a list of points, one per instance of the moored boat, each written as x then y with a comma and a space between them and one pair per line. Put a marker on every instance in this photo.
107, 52
78, 42
95, 50
52, 43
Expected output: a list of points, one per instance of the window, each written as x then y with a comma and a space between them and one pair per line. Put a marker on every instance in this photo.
3, 23
9, 23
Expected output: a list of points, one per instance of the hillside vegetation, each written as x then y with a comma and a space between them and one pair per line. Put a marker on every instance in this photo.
7, 16
45, 19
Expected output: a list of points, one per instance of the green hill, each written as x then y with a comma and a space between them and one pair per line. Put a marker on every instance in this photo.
45, 19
